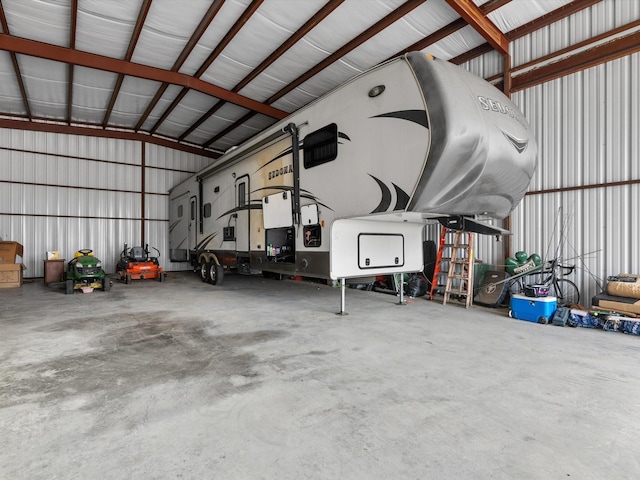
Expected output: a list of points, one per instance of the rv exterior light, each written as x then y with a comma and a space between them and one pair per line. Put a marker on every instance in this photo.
377, 90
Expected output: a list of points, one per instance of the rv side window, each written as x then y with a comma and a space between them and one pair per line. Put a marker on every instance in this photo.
193, 210
242, 192
180, 211
321, 146
207, 210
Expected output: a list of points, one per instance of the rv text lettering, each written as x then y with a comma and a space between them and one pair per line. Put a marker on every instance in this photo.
280, 171
495, 106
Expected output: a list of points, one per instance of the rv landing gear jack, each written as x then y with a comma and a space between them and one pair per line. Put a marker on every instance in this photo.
401, 301
343, 283
343, 287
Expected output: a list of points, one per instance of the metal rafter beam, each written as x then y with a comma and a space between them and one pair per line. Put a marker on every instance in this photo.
449, 29
606, 52
471, 54
202, 27
100, 62
46, 126
394, 16
484, 26
540, 22
72, 45
16, 67
551, 17
142, 16
320, 15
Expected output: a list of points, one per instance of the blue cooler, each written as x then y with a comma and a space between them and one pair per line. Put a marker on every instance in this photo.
532, 309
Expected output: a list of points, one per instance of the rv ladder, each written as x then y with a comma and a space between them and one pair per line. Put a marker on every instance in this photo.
453, 270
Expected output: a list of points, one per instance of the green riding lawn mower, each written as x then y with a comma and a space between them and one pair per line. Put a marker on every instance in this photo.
85, 273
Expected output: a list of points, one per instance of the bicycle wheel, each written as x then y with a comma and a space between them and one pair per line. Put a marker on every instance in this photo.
565, 291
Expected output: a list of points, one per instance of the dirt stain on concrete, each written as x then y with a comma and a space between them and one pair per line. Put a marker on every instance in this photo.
132, 354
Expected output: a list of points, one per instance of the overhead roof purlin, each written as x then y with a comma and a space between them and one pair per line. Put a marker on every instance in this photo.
186, 51
16, 67
142, 15
100, 62
321, 14
248, 12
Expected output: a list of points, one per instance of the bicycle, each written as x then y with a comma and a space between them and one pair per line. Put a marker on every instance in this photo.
551, 275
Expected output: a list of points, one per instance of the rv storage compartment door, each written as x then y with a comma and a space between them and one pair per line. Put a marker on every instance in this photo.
377, 250
277, 210
362, 247
309, 214
280, 245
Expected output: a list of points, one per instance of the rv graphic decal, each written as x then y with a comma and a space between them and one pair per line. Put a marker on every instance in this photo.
174, 225
205, 241
402, 198
284, 153
343, 135
415, 116
519, 145
303, 194
240, 209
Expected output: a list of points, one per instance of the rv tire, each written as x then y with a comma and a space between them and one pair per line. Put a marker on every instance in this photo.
215, 273
204, 271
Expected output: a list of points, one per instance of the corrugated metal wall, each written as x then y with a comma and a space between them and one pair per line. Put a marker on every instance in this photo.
587, 125
67, 192
587, 128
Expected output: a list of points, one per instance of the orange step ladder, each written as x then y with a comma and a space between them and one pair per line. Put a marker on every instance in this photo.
453, 273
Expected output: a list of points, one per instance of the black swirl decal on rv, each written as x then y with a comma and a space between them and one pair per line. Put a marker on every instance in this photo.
402, 197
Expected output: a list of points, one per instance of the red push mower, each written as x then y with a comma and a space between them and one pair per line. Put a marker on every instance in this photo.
136, 264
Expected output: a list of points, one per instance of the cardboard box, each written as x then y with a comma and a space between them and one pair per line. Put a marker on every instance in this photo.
53, 255
11, 275
533, 309
9, 251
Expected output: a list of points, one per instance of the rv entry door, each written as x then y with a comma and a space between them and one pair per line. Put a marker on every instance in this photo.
243, 210
193, 223
180, 228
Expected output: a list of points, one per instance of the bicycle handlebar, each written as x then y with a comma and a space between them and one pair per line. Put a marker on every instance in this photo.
567, 269
552, 264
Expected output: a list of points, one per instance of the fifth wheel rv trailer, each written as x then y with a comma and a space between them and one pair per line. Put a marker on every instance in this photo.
343, 187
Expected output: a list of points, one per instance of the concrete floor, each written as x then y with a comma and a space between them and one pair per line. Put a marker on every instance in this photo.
260, 379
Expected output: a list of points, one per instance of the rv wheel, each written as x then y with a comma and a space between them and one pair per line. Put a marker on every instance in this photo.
204, 271
215, 273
